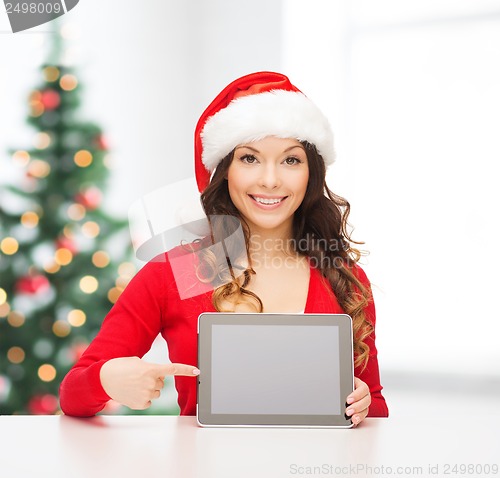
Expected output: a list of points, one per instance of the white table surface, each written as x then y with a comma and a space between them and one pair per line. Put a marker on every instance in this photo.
167, 446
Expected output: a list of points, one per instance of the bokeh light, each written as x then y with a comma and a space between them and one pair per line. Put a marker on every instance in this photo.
122, 282
51, 73
16, 355
30, 219
126, 269
22, 158
68, 82
63, 256
51, 267
83, 158
39, 168
4, 309
76, 212
61, 328
47, 372
9, 246
16, 319
68, 232
77, 317
42, 140
91, 229
100, 259
37, 108
89, 284
114, 293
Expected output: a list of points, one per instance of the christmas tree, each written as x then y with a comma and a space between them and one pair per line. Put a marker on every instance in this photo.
63, 259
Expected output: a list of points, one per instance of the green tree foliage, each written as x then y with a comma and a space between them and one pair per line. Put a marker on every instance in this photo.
63, 259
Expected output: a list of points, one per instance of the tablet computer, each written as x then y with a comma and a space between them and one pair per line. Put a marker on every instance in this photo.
280, 370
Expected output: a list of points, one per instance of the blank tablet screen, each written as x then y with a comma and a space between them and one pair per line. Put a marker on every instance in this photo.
274, 370
265, 369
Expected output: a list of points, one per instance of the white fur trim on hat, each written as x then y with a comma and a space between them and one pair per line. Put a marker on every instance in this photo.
280, 113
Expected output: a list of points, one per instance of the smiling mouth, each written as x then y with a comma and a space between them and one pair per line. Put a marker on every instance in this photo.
268, 201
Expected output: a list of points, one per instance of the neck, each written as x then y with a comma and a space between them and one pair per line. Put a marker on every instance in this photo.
271, 242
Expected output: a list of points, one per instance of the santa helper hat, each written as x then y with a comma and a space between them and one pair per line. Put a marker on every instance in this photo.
251, 108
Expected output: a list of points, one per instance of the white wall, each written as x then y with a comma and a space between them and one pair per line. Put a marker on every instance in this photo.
415, 107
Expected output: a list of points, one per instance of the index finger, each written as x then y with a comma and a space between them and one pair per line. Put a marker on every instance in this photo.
177, 369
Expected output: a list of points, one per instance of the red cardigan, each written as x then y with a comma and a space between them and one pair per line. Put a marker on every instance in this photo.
150, 305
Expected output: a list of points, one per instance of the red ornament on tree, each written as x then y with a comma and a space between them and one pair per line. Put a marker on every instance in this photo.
50, 99
101, 143
64, 242
32, 284
90, 198
43, 404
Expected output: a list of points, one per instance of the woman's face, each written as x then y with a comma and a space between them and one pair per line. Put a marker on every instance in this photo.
267, 181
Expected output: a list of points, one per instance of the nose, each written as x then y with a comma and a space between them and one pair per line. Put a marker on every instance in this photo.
269, 178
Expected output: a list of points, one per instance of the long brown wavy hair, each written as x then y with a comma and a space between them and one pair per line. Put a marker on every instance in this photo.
320, 232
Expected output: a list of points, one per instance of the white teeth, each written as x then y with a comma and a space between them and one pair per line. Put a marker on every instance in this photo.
267, 201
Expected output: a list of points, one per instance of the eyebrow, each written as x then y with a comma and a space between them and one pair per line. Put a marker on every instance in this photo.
257, 151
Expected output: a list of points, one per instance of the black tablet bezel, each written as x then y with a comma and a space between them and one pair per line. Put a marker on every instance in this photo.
203, 411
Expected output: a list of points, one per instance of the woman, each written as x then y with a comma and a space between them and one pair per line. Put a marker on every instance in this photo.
261, 152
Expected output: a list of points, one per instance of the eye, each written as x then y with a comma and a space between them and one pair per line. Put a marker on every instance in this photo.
291, 160
248, 158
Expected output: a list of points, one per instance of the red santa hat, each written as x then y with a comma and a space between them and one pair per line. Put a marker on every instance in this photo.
251, 108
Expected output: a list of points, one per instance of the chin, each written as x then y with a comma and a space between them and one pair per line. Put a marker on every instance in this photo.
269, 225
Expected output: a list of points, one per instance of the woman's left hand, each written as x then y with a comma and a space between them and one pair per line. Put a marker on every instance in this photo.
358, 402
